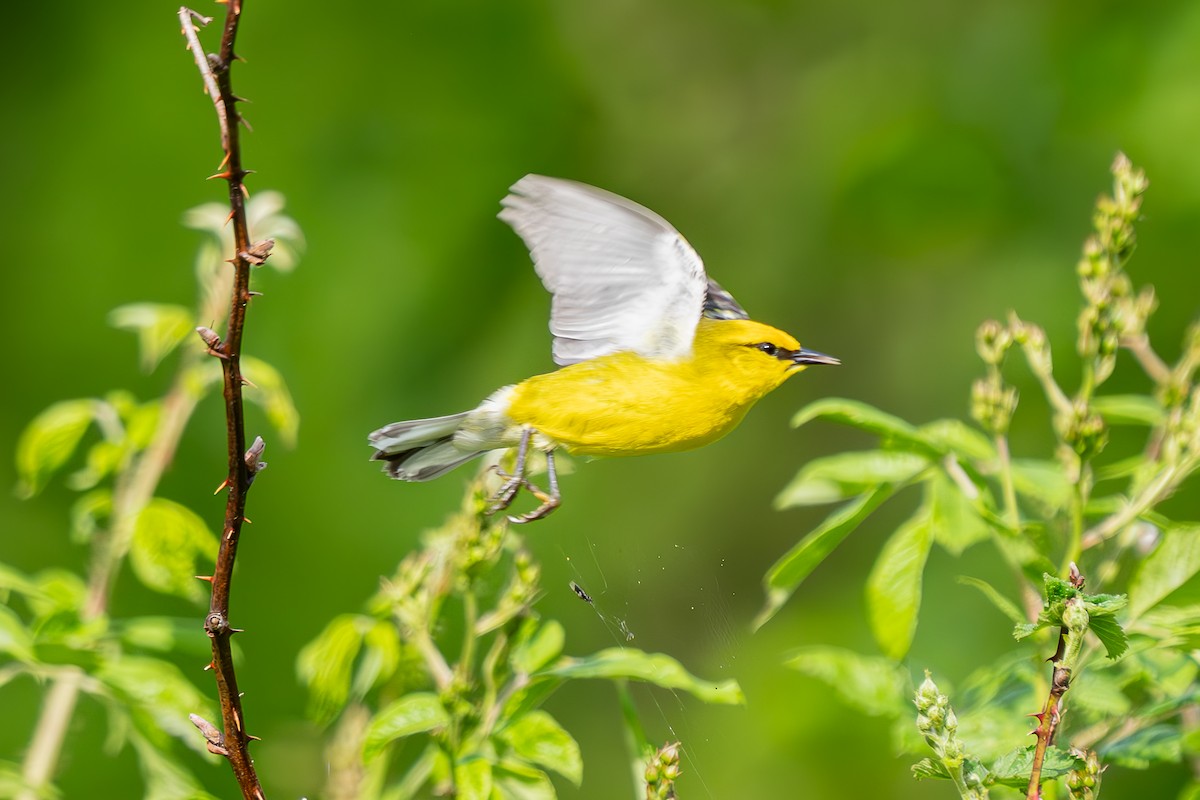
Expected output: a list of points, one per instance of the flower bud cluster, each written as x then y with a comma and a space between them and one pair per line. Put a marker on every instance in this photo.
1084, 783
662, 771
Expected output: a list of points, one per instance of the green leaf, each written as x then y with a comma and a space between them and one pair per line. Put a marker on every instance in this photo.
165, 635
1129, 409
929, 769
159, 328
164, 776
538, 739
953, 435
1041, 481
1014, 768
473, 779
1005, 606
654, 668
49, 440
325, 664
419, 712
516, 781
159, 698
838, 477
894, 586
380, 657
1110, 633
891, 429
1174, 562
168, 538
13, 580
875, 686
1157, 744
953, 518
87, 513
786, 574
1097, 695
536, 650
271, 393
15, 639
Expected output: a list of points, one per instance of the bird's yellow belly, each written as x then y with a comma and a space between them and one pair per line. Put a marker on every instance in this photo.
623, 405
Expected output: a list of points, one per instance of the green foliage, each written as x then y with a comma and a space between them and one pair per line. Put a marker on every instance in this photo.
55, 626
1082, 503
476, 715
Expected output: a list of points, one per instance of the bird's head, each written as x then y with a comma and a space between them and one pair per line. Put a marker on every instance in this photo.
756, 356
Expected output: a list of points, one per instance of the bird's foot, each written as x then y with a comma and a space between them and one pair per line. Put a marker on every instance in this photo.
550, 501
504, 496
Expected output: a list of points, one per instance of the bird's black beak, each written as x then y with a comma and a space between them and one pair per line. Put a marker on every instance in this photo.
805, 356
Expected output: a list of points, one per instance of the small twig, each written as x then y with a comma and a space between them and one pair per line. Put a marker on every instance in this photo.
243, 465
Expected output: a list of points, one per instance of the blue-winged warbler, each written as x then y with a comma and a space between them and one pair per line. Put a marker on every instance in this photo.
655, 356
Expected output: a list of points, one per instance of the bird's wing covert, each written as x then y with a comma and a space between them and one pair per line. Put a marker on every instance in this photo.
621, 277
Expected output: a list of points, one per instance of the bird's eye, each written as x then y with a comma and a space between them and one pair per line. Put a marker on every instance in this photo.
768, 348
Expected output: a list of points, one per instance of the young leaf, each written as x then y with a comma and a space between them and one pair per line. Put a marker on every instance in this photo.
414, 713
786, 574
537, 649
473, 779
1174, 562
324, 665
894, 586
380, 657
159, 697
165, 777
953, 519
516, 781
891, 429
1005, 606
538, 739
1013, 768
1156, 744
49, 440
1129, 409
15, 639
271, 393
876, 686
655, 668
159, 328
838, 477
955, 436
168, 538
1041, 481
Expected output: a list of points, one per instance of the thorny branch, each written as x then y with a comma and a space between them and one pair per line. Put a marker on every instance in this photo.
1064, 662
215, 70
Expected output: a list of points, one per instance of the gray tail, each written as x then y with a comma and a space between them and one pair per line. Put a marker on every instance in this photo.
420, 449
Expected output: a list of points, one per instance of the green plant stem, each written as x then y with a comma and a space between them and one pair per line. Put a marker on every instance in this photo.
1151, 363
46, 746
130, 496
1075, 544
1163, 484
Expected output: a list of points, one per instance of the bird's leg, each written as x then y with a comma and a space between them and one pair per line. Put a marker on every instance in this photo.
504, 497
550, 500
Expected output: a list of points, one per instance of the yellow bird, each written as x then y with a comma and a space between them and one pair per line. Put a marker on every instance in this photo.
655, 356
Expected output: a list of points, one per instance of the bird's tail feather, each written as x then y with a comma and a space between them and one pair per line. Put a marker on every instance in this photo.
420, 449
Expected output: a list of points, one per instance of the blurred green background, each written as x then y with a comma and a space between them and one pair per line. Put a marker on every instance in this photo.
876, 178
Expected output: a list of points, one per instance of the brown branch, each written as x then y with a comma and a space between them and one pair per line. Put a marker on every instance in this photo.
234, 739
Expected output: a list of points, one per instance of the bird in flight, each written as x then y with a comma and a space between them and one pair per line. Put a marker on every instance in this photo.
654, 356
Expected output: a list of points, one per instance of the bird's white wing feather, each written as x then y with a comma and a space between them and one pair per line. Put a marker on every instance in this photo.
621, 277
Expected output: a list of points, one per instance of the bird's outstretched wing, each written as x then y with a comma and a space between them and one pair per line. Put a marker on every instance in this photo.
621, 277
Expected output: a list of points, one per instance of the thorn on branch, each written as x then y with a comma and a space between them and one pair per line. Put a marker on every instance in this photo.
258, 253
214, 346
205, 578
212, 735
224, 484
253, 457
